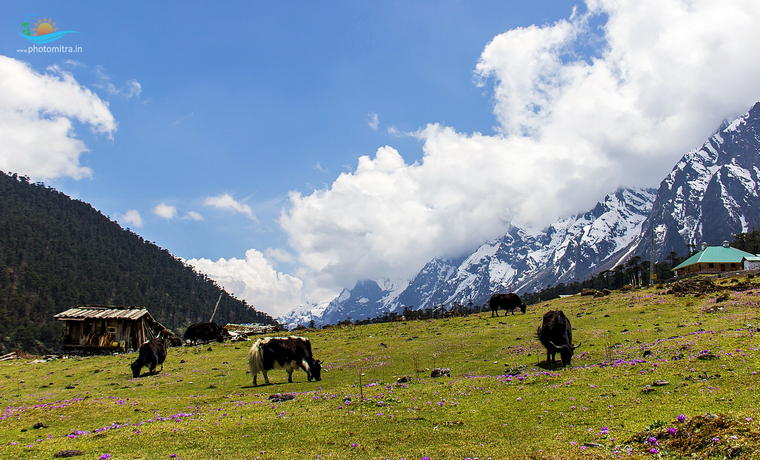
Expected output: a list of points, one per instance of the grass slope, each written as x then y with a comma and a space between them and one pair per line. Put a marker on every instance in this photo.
203, 406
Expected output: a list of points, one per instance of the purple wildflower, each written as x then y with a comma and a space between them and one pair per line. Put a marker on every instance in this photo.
681, 418
672, 431
654, 450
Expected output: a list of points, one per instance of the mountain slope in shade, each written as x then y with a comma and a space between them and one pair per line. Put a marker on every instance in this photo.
710, 195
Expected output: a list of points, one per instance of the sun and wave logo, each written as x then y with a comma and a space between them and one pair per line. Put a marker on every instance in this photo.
45, 30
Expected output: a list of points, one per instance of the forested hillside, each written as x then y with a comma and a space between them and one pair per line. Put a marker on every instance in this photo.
56, 252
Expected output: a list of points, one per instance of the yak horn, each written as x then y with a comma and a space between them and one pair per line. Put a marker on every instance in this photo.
557, 346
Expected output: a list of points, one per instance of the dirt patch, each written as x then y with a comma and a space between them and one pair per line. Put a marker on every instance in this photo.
701, 286
693, 286
744, 286
703, 436
595, 292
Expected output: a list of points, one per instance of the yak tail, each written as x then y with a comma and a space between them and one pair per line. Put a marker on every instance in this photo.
255, 359
538, 333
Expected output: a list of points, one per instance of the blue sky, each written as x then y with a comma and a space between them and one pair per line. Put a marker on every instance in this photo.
248, 98
327, 143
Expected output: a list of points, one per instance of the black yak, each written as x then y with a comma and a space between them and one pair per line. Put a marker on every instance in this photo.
286, 353
556, 335
206, 332
153, 352
509, 302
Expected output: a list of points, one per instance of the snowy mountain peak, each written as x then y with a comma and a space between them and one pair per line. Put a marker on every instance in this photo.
711, 193
520, 262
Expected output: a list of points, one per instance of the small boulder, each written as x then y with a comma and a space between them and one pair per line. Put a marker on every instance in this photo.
707, 356
280, 397
722, 298
440, 372
68, 453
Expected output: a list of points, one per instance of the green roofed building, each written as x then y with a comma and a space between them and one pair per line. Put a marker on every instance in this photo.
714, 259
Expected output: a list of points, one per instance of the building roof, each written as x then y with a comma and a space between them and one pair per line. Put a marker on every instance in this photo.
752, 259
103, 312
716, 254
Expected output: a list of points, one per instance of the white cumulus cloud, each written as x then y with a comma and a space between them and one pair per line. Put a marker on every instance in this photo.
571, 128
37, 115
132, 217
254, 280
226, 202
279, 255
165, 211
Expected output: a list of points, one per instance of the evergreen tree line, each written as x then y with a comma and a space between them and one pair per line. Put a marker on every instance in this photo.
57, 253
635, 272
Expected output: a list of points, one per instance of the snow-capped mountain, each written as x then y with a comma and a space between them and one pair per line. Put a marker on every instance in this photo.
570, 249
518, 261
711, 193
303, 315
367, 299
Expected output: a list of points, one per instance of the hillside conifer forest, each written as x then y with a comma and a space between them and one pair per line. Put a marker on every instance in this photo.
56, 252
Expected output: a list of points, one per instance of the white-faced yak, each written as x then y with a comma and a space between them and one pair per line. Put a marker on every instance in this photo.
286, 353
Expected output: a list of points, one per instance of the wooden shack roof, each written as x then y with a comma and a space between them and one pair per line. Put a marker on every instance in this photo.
103, 312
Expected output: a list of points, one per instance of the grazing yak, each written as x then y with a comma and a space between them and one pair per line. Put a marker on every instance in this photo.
508, 302
283, 353
153, 352
556, 334
206, 332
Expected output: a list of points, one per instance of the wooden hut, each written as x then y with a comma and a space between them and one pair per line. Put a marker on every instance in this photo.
92, 328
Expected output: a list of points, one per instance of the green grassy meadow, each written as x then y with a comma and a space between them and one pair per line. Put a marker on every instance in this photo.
202, 406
